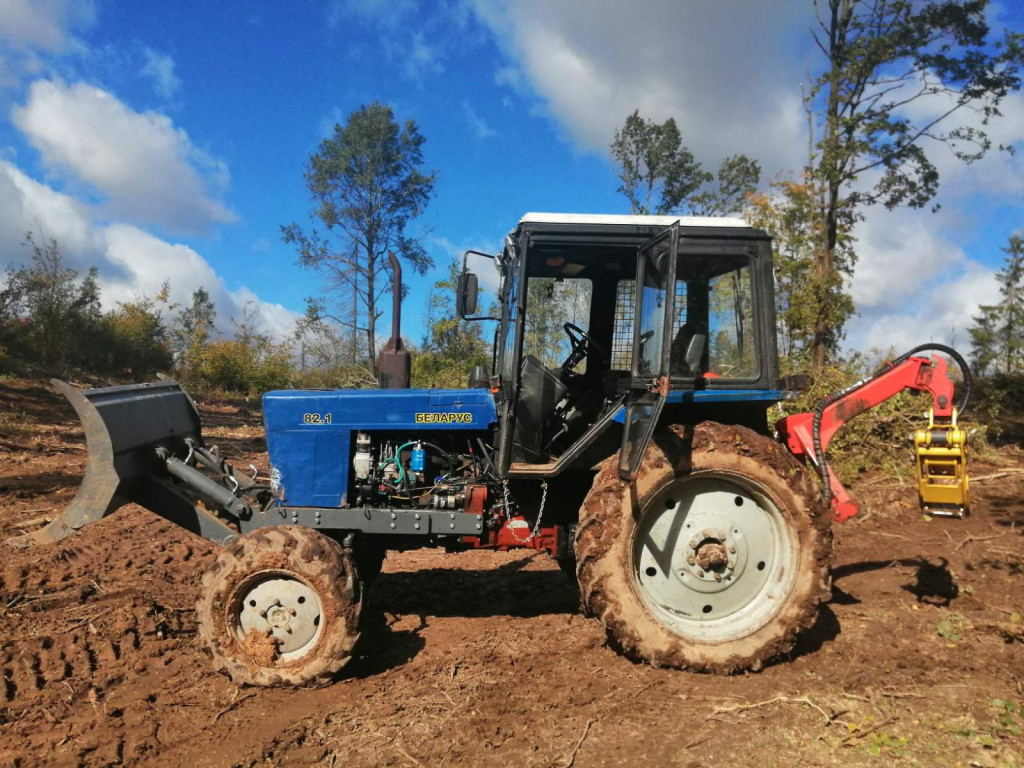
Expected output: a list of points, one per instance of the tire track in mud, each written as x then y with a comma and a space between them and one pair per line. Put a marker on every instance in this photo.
134, 545
93, 650
83, 611
98, 627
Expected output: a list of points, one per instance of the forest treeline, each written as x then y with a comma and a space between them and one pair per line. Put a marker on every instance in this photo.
52, 323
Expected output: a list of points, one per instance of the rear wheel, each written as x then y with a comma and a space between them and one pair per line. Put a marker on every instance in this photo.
715, 559
280, 607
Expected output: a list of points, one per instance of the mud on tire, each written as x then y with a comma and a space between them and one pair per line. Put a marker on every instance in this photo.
313, 582
615, 524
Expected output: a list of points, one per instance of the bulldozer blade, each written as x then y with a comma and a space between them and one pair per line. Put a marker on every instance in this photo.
123, 427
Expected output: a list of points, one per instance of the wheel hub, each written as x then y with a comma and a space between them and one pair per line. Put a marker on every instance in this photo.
284, 608
712, 557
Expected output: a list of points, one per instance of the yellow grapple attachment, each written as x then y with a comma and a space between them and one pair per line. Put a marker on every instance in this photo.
942, 480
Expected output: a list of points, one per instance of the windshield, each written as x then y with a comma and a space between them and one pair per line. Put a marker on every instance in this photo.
550, 304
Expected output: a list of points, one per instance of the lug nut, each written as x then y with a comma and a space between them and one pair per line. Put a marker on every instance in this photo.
691, 560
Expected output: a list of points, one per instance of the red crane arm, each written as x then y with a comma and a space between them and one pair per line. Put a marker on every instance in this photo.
921, 374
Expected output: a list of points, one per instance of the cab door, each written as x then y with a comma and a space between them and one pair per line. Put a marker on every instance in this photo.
652, 339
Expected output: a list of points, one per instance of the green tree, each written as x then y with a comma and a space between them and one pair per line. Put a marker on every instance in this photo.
737, 179
192, 332
899, 75
367, 185
984, 339
89, 335
790, 213
49, 317
451, 346
997, 338
49, 293
660, 175
139, 345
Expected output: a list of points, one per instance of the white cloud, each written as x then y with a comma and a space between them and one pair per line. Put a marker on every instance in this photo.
159, 68
387, 13
26, 205
43, 24
913, 283
415, 35
940, 310
147, 169
724, 70
131, 262
419, 58
484, 268
900, 251
477, 124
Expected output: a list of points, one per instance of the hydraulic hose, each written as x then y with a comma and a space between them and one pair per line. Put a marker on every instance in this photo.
826, 401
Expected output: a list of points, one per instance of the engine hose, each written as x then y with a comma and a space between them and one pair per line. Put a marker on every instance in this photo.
826, 401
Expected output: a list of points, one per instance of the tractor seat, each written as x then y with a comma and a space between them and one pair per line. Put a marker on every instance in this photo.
687, 351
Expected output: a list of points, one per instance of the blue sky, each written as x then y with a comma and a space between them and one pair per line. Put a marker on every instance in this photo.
167, 140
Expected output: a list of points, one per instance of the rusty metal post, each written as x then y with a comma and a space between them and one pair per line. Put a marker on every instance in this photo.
395, 362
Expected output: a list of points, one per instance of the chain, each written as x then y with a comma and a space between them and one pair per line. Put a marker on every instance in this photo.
540, 512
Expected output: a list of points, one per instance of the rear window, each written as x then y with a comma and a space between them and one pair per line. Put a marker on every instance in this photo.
729, 351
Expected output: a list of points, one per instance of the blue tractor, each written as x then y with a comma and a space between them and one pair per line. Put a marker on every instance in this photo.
635, 450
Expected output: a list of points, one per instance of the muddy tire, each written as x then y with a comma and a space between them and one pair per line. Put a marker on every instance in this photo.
280, 607
714, 559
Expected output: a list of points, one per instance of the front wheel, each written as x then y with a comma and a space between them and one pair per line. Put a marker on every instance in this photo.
280, 607
714, 560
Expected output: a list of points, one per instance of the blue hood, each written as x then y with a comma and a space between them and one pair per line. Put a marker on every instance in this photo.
310, 434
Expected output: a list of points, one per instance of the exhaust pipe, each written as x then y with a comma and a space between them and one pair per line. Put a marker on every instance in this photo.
395, 362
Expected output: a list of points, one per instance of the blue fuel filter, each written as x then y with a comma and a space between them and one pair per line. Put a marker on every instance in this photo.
419, 459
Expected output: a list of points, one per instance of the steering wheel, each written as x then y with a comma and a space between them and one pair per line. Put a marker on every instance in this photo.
583, 345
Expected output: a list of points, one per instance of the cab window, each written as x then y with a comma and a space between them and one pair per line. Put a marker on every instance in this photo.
550, 303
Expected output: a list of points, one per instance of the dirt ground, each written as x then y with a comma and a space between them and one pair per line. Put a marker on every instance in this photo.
483, 658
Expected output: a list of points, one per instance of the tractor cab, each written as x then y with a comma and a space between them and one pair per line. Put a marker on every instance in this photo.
608, 320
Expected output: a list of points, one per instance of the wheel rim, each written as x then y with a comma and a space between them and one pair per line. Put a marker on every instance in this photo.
281, 606
713, 558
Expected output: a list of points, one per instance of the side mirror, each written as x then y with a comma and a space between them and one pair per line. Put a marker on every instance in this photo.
466, 294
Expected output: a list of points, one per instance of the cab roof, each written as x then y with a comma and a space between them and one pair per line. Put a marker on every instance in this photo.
632, 220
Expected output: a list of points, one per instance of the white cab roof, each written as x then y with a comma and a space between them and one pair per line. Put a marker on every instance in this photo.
640, 221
